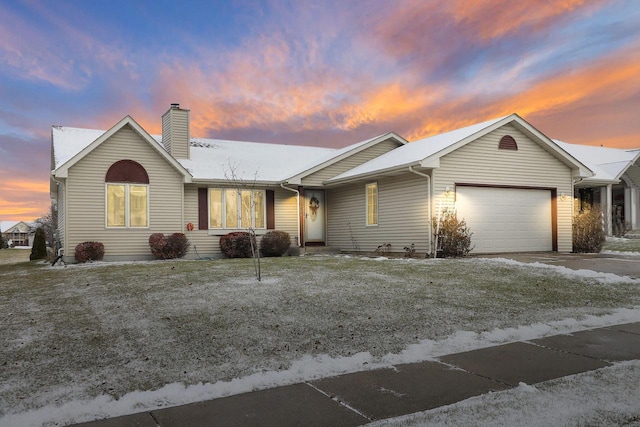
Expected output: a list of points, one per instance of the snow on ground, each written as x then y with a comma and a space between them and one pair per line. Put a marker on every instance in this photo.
616, 388
607, 396
85, 342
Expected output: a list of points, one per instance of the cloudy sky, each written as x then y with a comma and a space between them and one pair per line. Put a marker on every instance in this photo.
325, 72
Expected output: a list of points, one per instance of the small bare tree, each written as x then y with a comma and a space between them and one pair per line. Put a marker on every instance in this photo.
49, 223
246, 190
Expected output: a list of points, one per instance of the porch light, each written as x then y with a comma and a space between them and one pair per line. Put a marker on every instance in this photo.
447, 191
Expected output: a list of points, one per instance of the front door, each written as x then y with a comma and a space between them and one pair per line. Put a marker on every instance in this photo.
314, 216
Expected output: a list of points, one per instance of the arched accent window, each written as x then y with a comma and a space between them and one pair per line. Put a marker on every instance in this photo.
127, 194
127, 171
507, 142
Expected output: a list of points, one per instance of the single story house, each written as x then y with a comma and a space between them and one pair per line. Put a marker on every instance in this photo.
511, 183
17, 233
615, 187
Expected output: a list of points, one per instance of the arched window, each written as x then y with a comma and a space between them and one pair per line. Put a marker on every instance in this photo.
507, 142
127, 194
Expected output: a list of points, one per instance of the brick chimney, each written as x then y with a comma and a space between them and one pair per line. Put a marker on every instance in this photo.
175, 132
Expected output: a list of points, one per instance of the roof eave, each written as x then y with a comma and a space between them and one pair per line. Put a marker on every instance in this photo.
366, 175
297, 179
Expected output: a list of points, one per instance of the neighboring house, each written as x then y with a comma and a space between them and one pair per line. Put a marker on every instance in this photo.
510, 182
17, 233
615, 187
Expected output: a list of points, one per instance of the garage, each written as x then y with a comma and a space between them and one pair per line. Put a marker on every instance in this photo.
507, 219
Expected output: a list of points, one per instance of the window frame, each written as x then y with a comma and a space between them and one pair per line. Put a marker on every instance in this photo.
368, 206
239, 208
127, 206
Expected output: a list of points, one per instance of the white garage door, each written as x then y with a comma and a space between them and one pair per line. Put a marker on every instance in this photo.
506, 219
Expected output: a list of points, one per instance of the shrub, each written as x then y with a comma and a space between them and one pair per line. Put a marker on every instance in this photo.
39, 248
172, 246
237, 244
4, 244
275, 243
89, 251
588, 231
454, 237
410, 251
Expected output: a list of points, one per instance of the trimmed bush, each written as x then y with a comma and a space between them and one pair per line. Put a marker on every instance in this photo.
237, 244
454, 237
588, 231
275, 243
173, 246
89, 251
39, 248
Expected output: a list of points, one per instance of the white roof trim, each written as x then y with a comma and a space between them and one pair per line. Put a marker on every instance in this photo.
433, 160
347, 151
63, 170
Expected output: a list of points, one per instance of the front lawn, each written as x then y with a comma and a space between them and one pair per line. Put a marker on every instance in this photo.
14, 256
77, 332
621, 244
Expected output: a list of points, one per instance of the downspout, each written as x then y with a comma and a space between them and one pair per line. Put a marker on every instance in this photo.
60, 251
298, 209
428, 205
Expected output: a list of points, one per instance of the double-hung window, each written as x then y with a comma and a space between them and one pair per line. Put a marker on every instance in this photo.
237, 209
372, 203
127, 195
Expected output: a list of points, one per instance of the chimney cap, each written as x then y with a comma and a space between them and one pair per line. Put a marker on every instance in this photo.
175, 105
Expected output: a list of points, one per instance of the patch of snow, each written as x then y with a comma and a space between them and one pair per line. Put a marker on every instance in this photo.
620, 253
601, 277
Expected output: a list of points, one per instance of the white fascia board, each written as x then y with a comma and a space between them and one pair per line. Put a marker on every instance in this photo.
375, 173
430, 162
63, 170
297, 179
580, 169
631, 162
227, 183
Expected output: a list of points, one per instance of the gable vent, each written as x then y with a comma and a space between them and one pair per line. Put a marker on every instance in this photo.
507, 142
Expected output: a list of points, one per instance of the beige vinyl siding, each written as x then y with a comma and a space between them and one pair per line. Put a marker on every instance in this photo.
207, 242
86, 198
481, 162
403, 208
316, 179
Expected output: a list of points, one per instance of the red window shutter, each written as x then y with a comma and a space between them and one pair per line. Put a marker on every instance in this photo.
203, 211
271, 211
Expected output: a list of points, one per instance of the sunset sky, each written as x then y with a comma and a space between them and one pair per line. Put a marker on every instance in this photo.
325, 73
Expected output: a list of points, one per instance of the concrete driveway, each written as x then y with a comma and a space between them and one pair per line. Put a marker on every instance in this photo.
622, 265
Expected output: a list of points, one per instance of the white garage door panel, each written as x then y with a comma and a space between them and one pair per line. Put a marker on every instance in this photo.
506, 219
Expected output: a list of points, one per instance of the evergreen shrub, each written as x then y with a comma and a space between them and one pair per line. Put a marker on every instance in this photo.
39, 248
173, 246
275, 243
237, 244
89, 251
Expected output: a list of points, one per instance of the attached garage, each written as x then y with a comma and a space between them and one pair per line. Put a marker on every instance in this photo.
504, 219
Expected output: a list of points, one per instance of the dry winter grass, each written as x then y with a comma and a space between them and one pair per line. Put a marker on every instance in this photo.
13, 256
77, 332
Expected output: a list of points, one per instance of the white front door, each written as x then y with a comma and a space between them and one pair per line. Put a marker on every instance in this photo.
314, 216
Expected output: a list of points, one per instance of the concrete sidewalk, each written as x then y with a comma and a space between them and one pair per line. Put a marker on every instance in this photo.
358, 398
